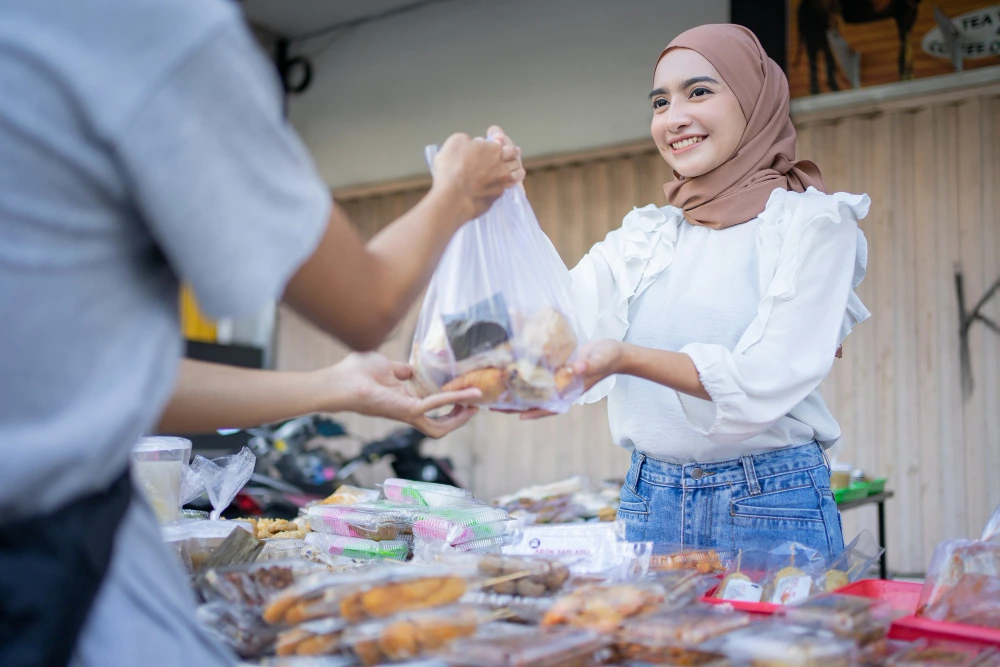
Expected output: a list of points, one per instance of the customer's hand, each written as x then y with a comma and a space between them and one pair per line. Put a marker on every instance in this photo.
372, 385
477, 171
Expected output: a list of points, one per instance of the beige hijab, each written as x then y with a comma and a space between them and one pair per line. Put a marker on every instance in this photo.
737, 190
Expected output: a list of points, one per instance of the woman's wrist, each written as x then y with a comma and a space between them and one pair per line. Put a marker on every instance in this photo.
329, 390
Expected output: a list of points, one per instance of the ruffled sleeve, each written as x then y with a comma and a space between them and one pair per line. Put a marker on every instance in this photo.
619, 269
812, 255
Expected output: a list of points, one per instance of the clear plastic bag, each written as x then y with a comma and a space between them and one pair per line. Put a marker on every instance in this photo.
413, 634
974, 600
425, 494
359, 548
498, 315
953, 559
853, 562
223, 477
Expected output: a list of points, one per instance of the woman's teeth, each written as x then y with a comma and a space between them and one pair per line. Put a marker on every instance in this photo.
684, 143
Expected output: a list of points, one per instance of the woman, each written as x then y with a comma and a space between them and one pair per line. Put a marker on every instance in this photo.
716, 318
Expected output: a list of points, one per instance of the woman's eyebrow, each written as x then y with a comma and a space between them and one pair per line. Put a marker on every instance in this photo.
657, 91
687, 84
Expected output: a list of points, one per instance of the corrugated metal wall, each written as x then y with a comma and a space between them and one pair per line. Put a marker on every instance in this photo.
932, 168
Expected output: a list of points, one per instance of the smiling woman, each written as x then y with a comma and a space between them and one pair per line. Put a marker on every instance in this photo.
714, 319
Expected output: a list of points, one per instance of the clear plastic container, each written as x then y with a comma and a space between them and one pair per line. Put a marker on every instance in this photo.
194, 541
157, 467
775, 643
414, 634
862, 620
358, 548
534, 576
927, 654
425, 494
686, 627
368, 594
604, 608
705, 561
252, 585
562, 647
321, 637
458, 526
368, 523
639, 655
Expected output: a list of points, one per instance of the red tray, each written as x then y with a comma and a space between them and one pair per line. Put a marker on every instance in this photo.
751, 607
900, 595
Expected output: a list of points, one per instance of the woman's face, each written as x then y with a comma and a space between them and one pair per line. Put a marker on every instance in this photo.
697, 121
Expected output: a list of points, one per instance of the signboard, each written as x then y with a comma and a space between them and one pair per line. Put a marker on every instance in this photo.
834, 44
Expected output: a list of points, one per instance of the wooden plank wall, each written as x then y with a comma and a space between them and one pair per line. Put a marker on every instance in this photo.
932, 168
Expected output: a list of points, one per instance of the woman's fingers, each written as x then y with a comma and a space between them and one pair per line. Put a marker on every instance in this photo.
402, 371
463, 397
440, 426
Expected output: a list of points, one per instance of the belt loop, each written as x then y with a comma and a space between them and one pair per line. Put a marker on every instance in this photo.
826, 459
636, 470
751, 474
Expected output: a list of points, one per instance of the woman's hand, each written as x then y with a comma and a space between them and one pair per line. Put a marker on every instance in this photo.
372, 385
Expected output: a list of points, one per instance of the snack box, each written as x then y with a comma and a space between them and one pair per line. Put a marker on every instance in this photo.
251, 585
358, 548
682, 628
534, 647
862, 620
408, 636
770, 643
425, 494
321, 637
363, 521
534, 576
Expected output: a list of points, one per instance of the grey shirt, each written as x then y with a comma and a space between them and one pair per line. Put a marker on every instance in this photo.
141, 143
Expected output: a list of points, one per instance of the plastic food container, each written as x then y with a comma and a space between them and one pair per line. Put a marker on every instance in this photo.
840, 476
538, 576
414, 634
859, 619
768, 643
316, 638
370, 523
856, 491
425, 494
533, 648
926, 654
706, 561
461, 524
157, 467
358, 548
366, 595
604, 608
684, 627
252, 585
194, 541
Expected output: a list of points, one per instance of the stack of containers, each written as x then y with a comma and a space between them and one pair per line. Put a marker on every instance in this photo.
365, 531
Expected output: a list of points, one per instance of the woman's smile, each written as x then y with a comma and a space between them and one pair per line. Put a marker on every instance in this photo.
686, 143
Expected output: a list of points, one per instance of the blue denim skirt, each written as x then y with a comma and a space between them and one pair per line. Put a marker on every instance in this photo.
751, 502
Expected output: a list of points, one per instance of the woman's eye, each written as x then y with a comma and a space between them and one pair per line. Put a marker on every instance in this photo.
700, 92
659, 103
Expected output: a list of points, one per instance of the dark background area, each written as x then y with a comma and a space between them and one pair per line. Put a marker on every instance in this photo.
766, 18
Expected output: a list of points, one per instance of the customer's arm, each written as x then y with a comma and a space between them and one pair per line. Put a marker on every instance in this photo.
359, 293
210, 396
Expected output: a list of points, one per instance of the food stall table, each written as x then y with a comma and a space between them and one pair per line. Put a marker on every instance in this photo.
877, 499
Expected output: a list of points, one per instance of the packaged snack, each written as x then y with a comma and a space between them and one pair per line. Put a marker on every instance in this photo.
321, 637
562, 647
309, 661
596, 548
604, 608
852, 564
772, 644
682, 588
668, 634
507, 330
425, 494
238, 627
253, 584
271, 529
974, 600
366, 522
413, 634
194, 541
862, 620
737, 585
639, 655
953, 559
793, 570
350, 495
457, 525
358, 548
928, 654
523, 576
705, 561
366, 595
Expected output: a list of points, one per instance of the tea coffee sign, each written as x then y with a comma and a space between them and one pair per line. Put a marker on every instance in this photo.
979, 31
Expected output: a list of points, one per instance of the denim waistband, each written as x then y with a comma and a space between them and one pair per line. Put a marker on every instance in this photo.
748, 468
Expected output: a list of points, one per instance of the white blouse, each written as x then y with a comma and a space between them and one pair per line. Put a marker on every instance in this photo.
759, 307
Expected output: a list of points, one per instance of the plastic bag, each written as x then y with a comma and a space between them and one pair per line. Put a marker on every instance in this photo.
793, 570
974, 599
238, 627
852, 564
991, 531
951, 560
498, 316
224, 477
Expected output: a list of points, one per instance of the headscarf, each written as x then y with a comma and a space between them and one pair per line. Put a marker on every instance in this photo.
737, 190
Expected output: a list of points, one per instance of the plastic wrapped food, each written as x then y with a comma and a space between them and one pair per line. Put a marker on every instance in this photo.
862, 620
321, 637
194, 541
502, 326
639, 655
604, 608
974, 600
705, 561
682, 588
414, 634
238, 627
853, 562
457, 525
350, 495
953, 559
562, 647
771, 644
253, 584
425, 494
358, 548
523, 576
596, 548
365, 595
925, 654
366, 522
681, 628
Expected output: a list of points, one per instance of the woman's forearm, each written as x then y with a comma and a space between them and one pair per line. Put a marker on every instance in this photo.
671, 369
211, 396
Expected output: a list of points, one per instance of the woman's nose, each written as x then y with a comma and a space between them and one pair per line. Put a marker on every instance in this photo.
677, 118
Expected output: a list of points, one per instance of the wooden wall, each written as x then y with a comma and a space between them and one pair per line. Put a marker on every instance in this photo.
932, 168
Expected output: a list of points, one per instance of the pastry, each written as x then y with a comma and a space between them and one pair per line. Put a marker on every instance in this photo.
547, 337
491, 381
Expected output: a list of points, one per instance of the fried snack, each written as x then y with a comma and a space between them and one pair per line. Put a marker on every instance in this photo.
412, 635
531, 383
602, 608
491, 381
705, 562
835, 579
541, 576
317, 638
564, 378
671, 655
548, 337
268, 529
387, 599
248, 587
